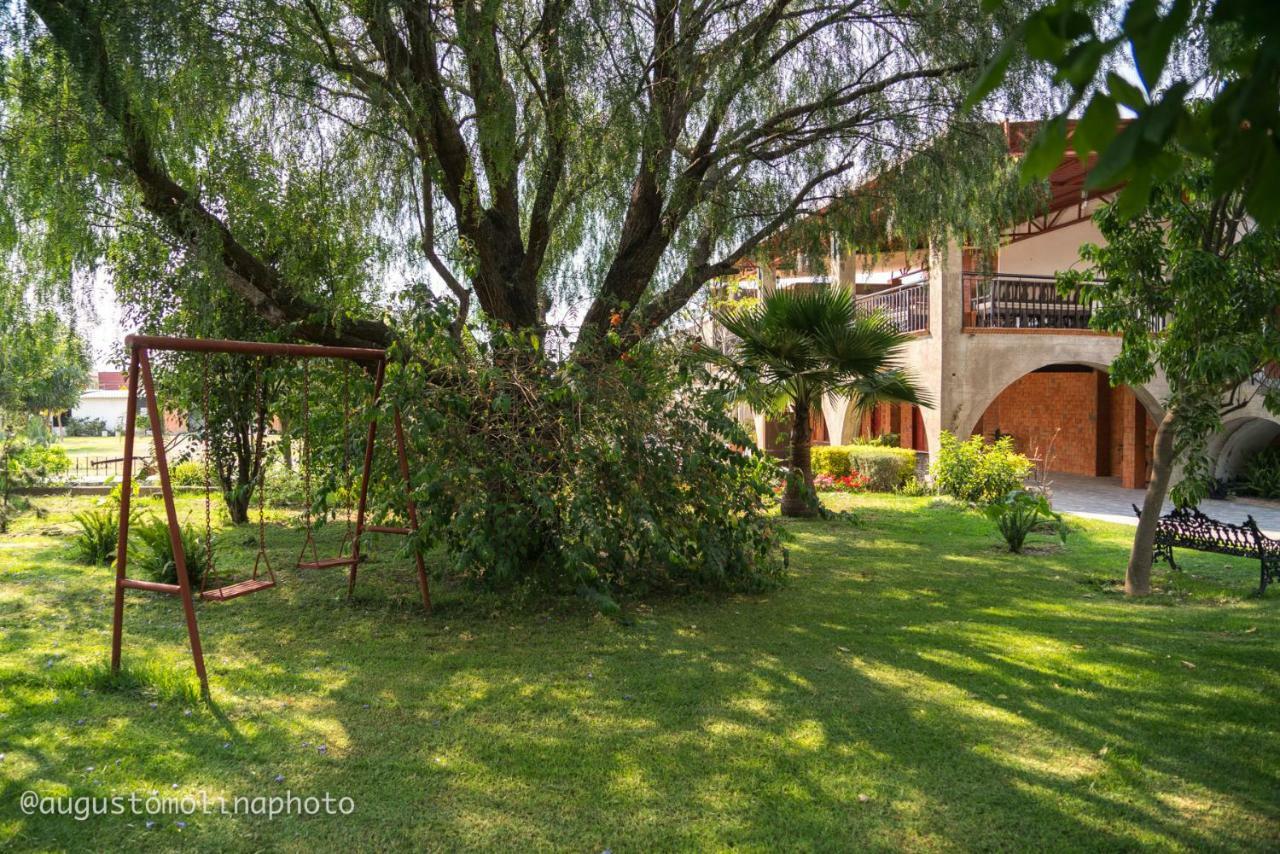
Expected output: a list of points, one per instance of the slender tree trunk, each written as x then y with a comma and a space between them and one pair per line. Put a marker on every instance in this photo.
797, 500
1137, 578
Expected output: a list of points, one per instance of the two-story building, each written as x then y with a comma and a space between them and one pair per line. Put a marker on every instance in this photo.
1000, 351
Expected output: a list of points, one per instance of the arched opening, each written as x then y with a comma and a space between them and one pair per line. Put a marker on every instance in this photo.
898, 424
1240, 441
1070, 420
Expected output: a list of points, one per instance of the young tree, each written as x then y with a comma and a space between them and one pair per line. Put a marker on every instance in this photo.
794, 347
1196, 263
44, 365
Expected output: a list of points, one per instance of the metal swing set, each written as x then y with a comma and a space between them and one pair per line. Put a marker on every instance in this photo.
140, 347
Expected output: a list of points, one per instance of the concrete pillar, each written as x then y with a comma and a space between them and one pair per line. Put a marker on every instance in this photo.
938, 357
768, 280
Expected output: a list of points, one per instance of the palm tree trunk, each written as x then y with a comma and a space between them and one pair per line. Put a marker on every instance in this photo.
1137, 578
798, 499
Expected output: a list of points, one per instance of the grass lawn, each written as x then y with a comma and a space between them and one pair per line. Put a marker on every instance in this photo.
912, 687
97, 447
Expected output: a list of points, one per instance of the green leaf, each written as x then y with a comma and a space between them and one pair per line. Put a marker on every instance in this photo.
1152, 36
992, 76
1263, 199
1136, 194
1041, 41
1046, 150
1097, 127
1125, 92
1080, 65
1115, 160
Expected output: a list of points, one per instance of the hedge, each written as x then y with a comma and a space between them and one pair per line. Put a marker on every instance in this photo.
886, 469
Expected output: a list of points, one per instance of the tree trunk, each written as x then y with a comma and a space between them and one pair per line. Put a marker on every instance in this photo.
1137, 578
798, 499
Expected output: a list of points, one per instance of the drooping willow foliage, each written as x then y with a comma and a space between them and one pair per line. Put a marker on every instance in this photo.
547, 162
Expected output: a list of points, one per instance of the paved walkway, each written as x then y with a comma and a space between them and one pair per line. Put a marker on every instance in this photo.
1104, 498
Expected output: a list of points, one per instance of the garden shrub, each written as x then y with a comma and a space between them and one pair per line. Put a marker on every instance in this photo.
33, 464
187, 473
978, 472
885, 469
151, 551
607, 480
1262, 474
85, 426
830, 460
95, 541
884, 440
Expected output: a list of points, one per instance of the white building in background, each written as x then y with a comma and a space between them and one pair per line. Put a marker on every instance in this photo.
107, 405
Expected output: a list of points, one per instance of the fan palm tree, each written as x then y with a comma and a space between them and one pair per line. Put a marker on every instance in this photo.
796, 346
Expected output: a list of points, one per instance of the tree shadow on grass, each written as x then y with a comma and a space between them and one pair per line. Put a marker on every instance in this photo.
907, 689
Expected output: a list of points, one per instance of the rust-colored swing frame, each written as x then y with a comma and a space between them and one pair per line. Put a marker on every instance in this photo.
139, 347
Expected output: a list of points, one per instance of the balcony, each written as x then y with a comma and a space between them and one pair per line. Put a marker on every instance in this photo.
906, 305
1022, 301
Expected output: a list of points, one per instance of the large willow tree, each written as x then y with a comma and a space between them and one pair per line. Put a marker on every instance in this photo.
574, 161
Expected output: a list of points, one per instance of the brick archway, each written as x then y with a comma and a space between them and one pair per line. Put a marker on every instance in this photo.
1069, 418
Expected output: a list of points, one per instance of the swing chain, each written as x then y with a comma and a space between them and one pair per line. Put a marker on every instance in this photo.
208, 486
262, 470
306, 443
346, 449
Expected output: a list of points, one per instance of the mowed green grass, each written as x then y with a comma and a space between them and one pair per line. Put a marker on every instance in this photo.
98, 447
911, 687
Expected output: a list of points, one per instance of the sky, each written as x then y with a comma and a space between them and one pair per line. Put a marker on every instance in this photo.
103, 324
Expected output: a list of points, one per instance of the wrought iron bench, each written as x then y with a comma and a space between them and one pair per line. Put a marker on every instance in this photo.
1191, 529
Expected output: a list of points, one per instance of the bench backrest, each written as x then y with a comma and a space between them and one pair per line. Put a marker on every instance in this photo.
1189, 528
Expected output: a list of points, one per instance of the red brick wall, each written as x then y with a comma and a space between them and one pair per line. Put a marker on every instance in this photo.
1036, 407
1101, 431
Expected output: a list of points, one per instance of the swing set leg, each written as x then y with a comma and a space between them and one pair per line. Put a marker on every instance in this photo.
175, 538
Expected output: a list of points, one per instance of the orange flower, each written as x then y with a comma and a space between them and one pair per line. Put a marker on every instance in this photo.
615, 319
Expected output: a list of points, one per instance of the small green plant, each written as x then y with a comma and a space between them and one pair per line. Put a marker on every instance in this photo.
1262, 474
151, 551
1019, 512
976, 471
95, 541
914, 487
187, 473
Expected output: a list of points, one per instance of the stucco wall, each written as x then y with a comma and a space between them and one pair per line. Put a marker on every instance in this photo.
1049, 253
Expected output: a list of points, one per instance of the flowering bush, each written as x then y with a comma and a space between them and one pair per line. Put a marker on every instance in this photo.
852, 482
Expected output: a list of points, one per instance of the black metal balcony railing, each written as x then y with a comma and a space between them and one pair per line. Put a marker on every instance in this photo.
907, 306
1023, 301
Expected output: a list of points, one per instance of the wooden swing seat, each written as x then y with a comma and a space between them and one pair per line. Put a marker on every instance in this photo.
331, 562
388, 529
240, 588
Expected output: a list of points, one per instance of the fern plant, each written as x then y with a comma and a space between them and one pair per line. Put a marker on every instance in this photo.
99, 531
151, 551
